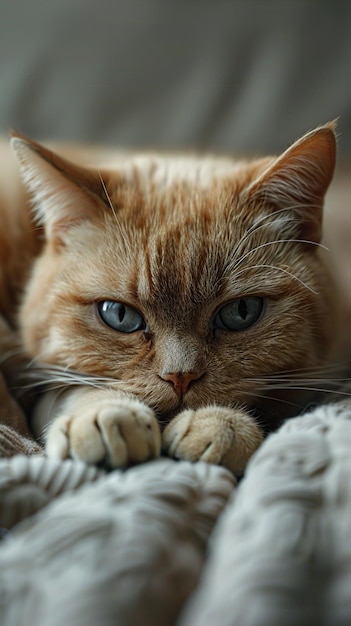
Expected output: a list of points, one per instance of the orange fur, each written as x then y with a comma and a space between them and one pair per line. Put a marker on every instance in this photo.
176, 238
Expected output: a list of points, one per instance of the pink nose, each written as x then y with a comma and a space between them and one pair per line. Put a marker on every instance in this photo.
181, 381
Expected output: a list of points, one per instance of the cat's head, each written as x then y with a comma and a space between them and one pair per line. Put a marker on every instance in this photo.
187, 280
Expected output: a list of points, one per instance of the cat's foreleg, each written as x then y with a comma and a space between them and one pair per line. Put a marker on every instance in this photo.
97, 426
214, 434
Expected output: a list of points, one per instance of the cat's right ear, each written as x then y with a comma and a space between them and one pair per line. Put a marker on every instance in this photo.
63, 194
297, 181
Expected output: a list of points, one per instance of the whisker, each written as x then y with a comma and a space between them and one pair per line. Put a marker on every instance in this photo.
42, 376
108, 197
265, 397
333, 367
308, 388
64, 375
260, 223
281, 269
276, 241
123, 239
301, 379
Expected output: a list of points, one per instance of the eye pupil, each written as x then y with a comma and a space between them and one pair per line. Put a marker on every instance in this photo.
121, 312
242, 309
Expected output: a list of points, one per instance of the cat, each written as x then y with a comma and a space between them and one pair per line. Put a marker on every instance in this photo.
173, 303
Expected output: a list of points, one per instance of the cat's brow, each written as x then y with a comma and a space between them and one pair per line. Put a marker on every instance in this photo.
274, 242
280, 269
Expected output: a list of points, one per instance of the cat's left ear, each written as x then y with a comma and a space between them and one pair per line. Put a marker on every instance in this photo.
297, 181
63, 194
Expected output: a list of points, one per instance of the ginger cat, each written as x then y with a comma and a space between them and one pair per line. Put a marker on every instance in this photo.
170, 302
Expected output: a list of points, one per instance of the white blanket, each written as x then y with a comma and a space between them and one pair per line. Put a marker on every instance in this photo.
136, 548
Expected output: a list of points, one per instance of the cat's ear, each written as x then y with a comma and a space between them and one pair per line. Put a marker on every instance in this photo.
298, 181
63, 193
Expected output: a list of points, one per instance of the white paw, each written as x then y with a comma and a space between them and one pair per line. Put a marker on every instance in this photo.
226, 437
117, 432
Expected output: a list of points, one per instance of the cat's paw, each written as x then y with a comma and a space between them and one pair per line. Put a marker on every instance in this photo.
226, 437
114, 432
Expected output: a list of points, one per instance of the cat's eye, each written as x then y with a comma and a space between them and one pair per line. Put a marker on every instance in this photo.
120, 317
239, 314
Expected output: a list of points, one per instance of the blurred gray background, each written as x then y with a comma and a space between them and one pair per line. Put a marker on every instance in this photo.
233, 75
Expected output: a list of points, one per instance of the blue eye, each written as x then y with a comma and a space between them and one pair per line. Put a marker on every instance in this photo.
120, 317
239, 314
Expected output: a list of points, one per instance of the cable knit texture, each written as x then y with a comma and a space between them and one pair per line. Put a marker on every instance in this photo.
130, 547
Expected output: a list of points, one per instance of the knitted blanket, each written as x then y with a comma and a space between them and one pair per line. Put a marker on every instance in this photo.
179, 544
